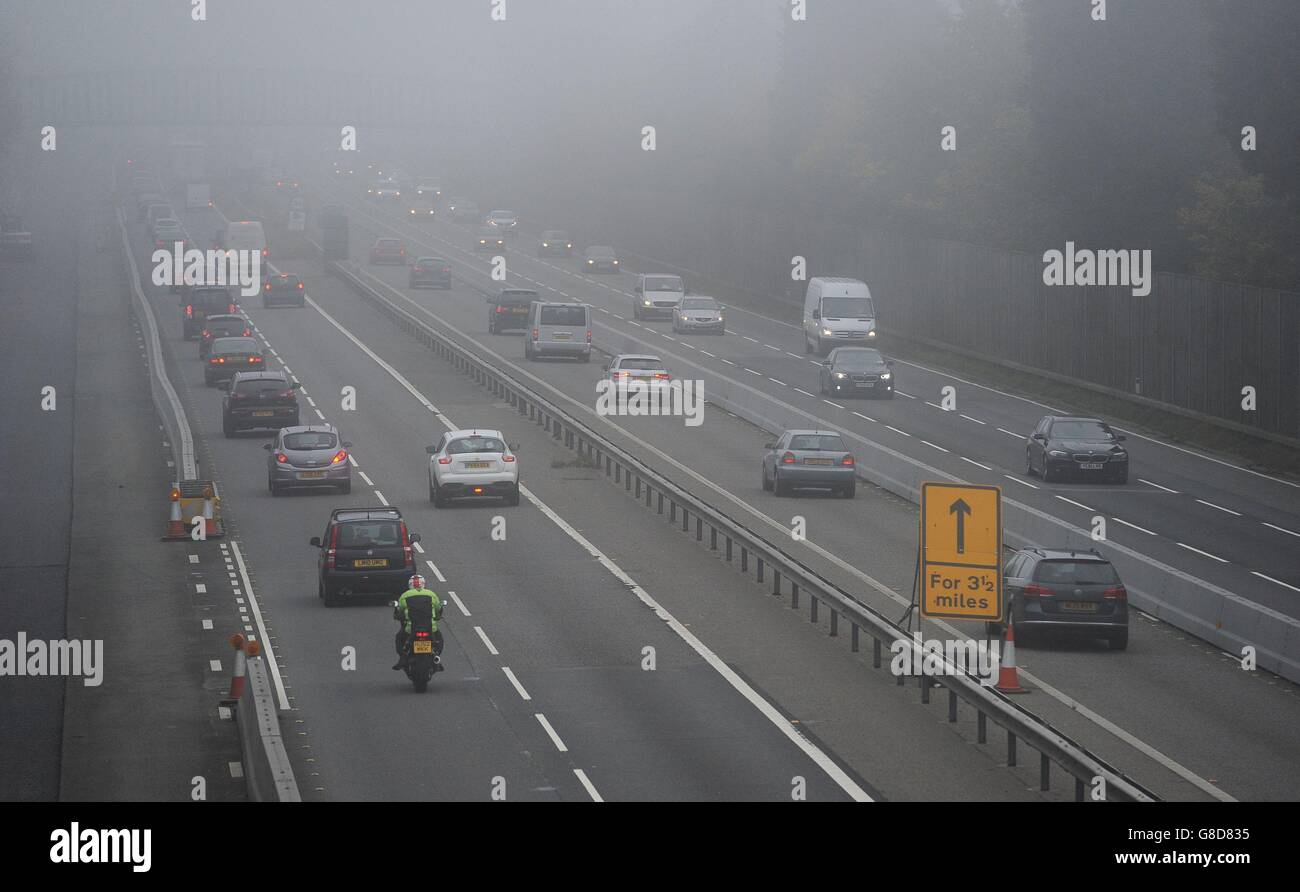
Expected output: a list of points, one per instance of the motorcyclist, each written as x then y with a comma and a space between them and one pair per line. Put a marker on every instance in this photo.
402, 613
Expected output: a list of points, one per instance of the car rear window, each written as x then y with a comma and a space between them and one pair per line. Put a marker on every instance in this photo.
1076, 573
564, 316
369, 534
234, 345
310, 440
285, 281
475, 444
517, 298
817, 443
261, 385
639, 363
208, 298
232, 326
388, 243
663, 283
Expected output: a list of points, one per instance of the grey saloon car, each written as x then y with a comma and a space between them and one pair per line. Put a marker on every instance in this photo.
809, 459
309, 455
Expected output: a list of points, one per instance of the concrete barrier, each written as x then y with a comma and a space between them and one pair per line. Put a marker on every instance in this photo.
267, 771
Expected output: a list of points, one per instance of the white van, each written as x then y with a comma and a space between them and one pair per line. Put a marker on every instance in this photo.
246, 235
837, 312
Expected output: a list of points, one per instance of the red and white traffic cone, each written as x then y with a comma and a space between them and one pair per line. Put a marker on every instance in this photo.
241, 667
210, 528
176, 526
1008, 677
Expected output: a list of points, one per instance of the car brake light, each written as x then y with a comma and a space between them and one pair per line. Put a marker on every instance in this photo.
285, 394
247, 333
268, 286
847, 460
189, 309
401, 251
206, 334
254, 359
507, 458
1037, 591
621, 375
787, 459
342, 455
230, 308
444, 461
446, 269
281, 457
417, 269
588, 336
331, 551
1116, 593
662, 376
217, 360
534, 334
501, 309
421, 634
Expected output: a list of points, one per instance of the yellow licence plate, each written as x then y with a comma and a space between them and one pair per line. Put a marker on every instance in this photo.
371, 562
263, 413
1079, 606
478, 465
817, 461
422, 647
310, 475
562, 336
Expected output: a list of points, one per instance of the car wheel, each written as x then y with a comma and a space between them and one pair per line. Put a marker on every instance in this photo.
807, 345
227, 427
439, 500
767, 484
780, 488
270, 484
722, 331
513, 499
889, 394
821, 387
851, 490
1029, 464
1047, 471
586, 357
433, 495
1122, 477
266, 304
330, 599
346, 488
1118, 640
297, 421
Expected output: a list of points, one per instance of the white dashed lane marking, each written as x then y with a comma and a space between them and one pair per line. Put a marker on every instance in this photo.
1204, 553
486, 641
1220, 507
555, 738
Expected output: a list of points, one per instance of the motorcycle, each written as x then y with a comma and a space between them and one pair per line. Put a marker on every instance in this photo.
423, 649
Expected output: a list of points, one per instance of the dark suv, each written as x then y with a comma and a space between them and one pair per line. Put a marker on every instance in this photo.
1085, 447
1069, 591
259, 399
365, 551
200, 302
509, 309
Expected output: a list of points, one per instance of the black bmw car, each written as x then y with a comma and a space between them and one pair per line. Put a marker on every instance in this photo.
1071, 446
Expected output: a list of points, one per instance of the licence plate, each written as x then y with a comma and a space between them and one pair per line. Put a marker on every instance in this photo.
263, 413
478, 465
310, 475
422, 647
817, 461
370, 562
1090, 465
562, 336
866, 383
519, 311
1079, 606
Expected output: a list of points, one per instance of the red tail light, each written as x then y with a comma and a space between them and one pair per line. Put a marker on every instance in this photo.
401, 251
217, 360
247, 333
1116, 593
281, 457
230, 308
254, 359
406, 547
1037, 591
507, 458
446, 269
501, 309
662, 376
342, 455
417, 269
421, 634
619, 376
333, 548
787, 459
264, 252
189, 309
588, 336
847, 460
444, 461
268, 286
535, 334
300, 286
285, 394
206, 334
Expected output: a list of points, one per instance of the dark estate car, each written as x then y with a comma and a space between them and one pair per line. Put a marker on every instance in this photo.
600, 259
1083, 447
433, 272
284, 288
228, 356
489, 238
1076, 592
509, 309
856, 371
259, 400
365, 551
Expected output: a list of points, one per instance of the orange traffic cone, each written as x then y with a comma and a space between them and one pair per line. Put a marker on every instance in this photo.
176, 526
1008, 678
241, 667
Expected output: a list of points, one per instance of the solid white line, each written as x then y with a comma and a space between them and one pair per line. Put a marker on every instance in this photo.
459, 602
1278, 581
897, 431
934, 446
1220, 507
514, 681
810, 749
1021, 482
591, 789
437, 573
261, 627
1133, 525
555, 738
492, 650
1158, 486
1198, 551
977, 464
1281, 529
1074, 503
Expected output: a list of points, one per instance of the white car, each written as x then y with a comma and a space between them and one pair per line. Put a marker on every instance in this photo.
472, 463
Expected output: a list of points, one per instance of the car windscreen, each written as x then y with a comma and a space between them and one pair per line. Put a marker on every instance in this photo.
663, 283
564, 316
1076, 573
858, 359
310, 440
699, 303
235, 345
647, 363
261, 385
600, 252
817, 443
844, 307
370, 534
1080, 430
475, 444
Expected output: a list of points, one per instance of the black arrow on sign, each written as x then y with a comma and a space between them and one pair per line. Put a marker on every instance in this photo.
961, 509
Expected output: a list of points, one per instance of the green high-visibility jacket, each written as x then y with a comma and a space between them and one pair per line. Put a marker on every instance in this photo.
406, 613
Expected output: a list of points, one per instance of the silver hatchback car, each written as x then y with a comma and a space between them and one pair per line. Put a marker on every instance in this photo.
308, 455
812, 459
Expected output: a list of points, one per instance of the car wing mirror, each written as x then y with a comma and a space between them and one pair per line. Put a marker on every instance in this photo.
315, 540
1121, 438
769, 445
414, 537
296, 385
431, 450
267, 446
817, 314
1036, 436
347, 445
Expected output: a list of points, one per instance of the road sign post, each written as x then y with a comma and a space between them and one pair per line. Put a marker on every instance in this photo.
961, 551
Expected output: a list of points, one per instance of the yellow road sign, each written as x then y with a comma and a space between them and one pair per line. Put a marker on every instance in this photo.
961, 551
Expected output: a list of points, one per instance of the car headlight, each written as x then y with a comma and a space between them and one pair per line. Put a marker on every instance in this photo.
872, 333
546, 244
886, 376
827, 332
646, 302
840, 375
1057, 453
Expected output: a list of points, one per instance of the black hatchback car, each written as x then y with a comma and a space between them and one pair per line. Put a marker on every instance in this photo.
365, 551
259, 400
509, 309
432, 272
1076, 592
284, 288
1082, 447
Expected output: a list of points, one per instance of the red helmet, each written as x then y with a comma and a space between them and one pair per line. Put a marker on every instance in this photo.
416, 581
